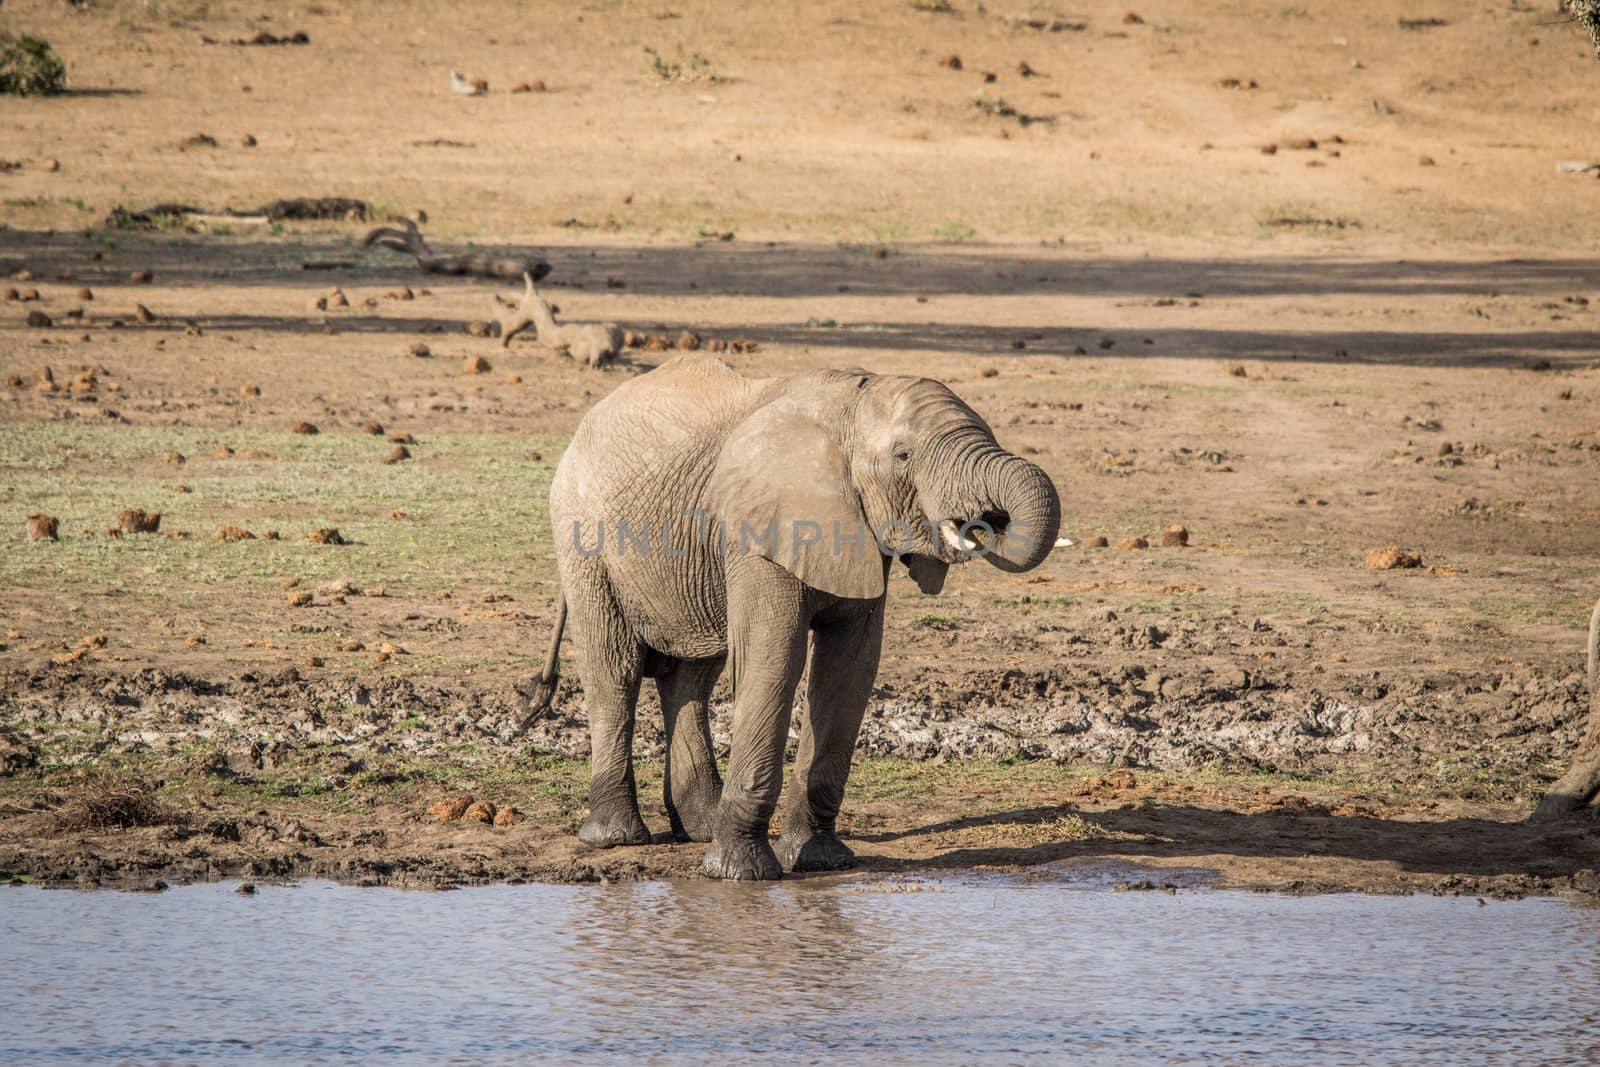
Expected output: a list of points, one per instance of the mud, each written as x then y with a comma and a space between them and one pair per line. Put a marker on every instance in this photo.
269, 769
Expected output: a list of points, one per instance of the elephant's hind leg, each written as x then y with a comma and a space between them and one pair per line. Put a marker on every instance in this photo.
691, 785
612, 662
844, 661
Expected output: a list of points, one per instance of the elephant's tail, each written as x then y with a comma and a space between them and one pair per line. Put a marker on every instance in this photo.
538, 694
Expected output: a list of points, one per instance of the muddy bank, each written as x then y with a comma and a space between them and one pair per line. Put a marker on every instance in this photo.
904, 819
1486, 735
1409, 786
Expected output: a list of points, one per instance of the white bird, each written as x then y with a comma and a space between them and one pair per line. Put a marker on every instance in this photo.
475, 87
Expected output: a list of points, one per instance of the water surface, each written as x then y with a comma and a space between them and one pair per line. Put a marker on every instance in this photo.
942, 971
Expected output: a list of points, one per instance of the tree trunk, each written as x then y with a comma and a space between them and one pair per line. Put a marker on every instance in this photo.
1579, 788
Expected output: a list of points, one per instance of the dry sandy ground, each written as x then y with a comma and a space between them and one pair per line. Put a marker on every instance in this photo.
1387, 338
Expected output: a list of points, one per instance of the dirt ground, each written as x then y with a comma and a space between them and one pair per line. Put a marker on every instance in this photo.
1307, 283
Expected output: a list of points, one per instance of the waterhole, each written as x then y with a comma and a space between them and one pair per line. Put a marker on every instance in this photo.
958, 970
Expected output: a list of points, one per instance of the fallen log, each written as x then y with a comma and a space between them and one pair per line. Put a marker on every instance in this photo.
407, 238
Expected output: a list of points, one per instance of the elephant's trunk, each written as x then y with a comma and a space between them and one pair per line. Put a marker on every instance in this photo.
1013, 496
1025, 512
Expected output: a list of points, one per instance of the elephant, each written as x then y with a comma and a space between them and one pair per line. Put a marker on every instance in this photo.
703, 518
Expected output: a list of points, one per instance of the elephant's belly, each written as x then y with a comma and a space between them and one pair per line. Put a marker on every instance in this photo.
671, 606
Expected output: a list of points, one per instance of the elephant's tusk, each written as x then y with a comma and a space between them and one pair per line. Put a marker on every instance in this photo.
953, 537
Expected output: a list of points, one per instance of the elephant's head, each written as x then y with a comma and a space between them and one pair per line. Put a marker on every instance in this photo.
903, 459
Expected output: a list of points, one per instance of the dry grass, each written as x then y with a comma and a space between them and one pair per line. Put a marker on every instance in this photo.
109, 802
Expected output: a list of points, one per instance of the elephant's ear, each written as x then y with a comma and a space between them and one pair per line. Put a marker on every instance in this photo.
781, 489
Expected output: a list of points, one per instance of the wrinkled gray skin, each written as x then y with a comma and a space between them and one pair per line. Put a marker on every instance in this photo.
833, 446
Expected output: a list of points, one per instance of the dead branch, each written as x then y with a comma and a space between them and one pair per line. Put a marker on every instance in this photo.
407, 238
591, 343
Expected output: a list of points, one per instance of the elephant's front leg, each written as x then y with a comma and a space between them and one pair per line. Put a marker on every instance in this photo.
844, 662
767, 630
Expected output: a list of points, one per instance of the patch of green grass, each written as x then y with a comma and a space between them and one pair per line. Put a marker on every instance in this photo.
691, 68
473, 508
886, 232
941, 623
954, 230
1028, 601
1298, 219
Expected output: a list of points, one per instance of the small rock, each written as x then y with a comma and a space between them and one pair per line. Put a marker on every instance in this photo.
478, 328
420, 350
137, 520
508, 816
1391, 558
300, 598
248, 141
52, 165
452, 809
327, 535
1175, 536
480, 811
475, 365
141, 277
399, 453
42, 527
143, 314
85, 293
1132, 543
951, 62
307, 428
1097, 541
39, 320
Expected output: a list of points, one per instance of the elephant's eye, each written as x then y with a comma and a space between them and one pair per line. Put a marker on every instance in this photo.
902, 456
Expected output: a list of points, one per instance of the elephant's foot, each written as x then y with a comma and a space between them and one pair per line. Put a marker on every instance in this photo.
820, 851
691, 826
693, 819
743, 859
608, 829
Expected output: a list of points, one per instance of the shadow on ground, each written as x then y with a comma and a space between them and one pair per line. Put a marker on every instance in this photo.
720, 269
1475, 847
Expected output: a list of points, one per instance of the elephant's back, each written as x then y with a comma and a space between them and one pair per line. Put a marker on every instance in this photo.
661, 427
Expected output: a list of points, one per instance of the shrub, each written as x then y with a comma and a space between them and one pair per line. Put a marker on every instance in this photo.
30, 67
